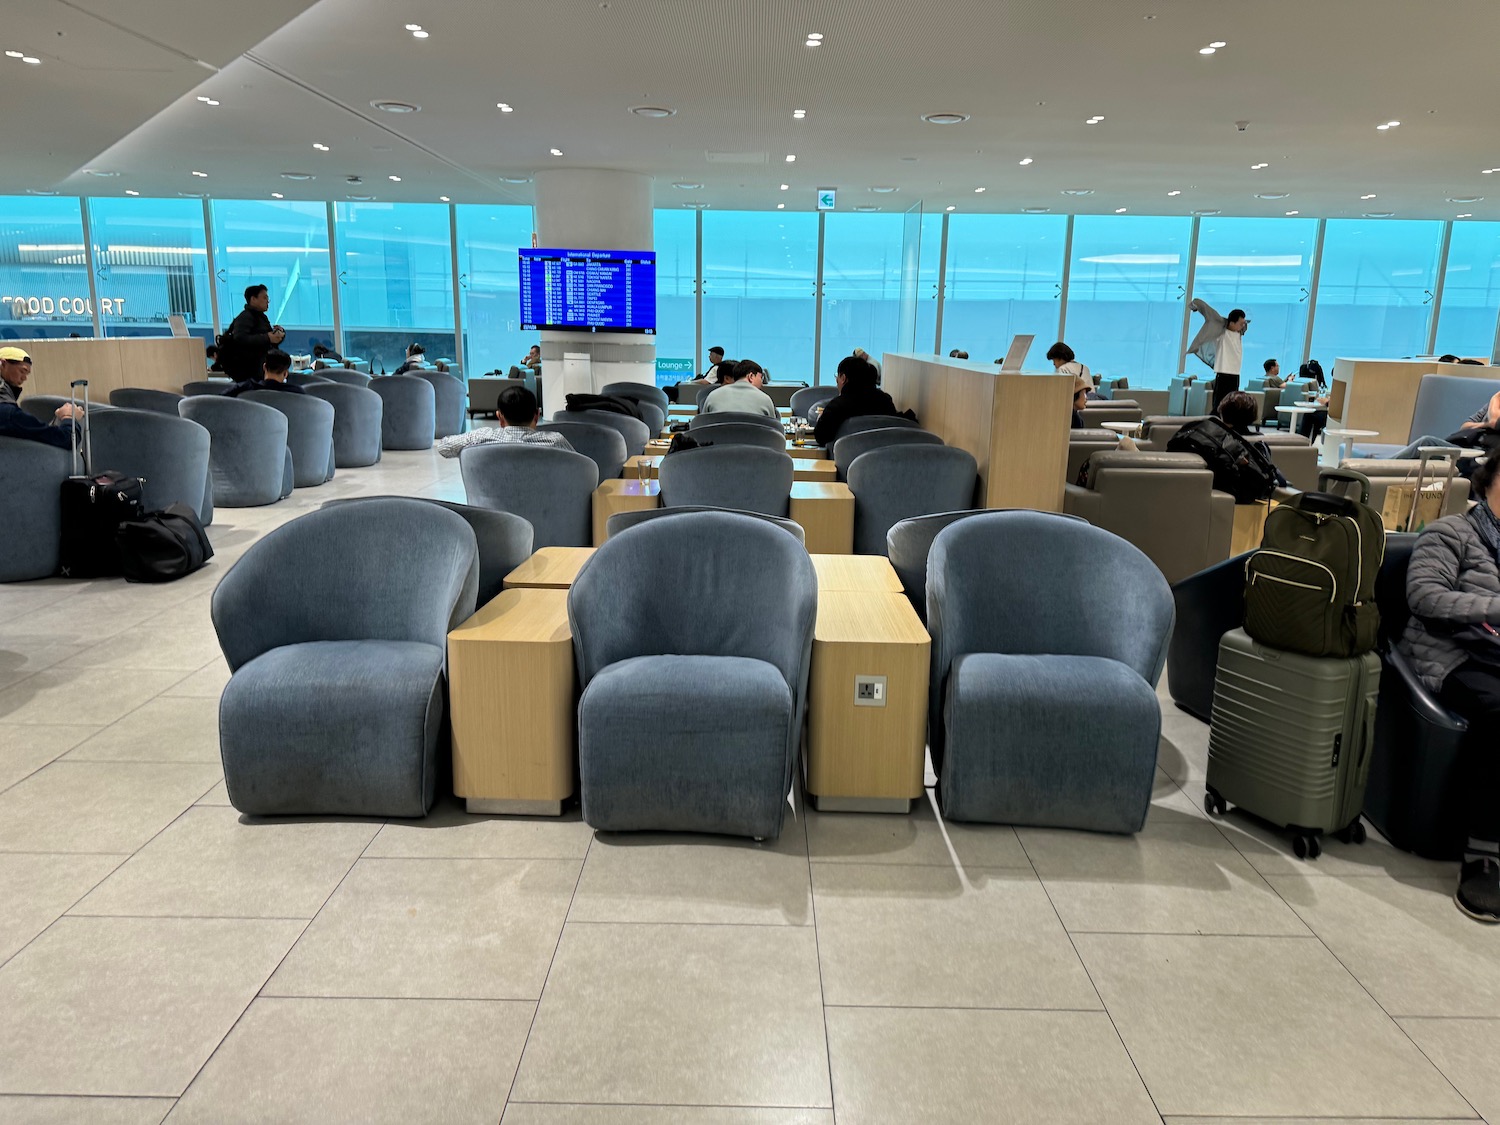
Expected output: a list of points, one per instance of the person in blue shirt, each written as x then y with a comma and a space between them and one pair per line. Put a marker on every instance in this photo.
15, 367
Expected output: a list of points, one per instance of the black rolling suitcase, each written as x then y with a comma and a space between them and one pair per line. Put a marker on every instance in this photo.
93, 507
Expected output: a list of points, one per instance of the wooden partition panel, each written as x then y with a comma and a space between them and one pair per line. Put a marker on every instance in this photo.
163, 363
1016, 426
1381, 394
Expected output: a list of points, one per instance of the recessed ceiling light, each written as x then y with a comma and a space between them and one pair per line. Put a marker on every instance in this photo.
131, 191
505, 107
277, 195
295, 176
1379, 214
1382, 128
1077, 191
515, 179
31, 60
1371, 196
556, 151
1464, 216
1174, 193
360, 198
799, 115
15, 54
1094, 120
1120, 210
444, 199
211, 101
192, 194
1272, 194
945, 118
106, 175
866, 207
815, 35
781, 206
200, 175
320, 147
1024, 161
785, 187
884, 190
203, 98
1207, 50
1217, 44
413, 27
683, 185
1036, 210
1392, 124
1258, 167
696, 206
1294, 212
1465, 198
420, 34
813, 43
979, 191
791, 158
40, 191
652, 111
1205, 214
952, 208
386, 106
394, 179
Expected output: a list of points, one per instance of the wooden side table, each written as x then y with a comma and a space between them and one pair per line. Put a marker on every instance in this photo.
870, 574
826, 512
511, 687
864, 758
550, 568
622, 495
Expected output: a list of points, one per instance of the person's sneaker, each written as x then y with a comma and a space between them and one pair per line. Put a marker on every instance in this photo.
1478, 893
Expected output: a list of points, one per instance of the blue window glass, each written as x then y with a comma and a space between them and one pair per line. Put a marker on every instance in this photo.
489, 286
150, 261
927, 283
1263, 266
44, 278
1375, 289
759, 272
1126, 294
676, 238
395, 280
861, 286
1004, 279
1471, 291
283, 246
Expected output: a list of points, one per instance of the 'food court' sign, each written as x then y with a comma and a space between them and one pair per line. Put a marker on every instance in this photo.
62, 306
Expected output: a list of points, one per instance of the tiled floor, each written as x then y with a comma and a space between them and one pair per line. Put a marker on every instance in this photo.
161, 958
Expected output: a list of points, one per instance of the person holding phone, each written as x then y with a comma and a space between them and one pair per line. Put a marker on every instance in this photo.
243, 347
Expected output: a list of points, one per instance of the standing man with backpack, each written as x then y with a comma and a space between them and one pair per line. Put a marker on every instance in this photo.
1220, 343
243, 347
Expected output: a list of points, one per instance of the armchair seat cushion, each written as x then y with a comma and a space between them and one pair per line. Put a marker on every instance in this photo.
723, 765
1055, 741
334, 727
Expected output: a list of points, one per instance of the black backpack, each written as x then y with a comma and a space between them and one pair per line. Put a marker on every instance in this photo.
609, 403
163, 546
1236, 468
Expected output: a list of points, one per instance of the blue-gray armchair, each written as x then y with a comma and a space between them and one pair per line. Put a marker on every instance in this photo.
171, 454
635, 432
638, 392
902, 481
552, 489
450, 397
305, 379
1043, 697
248, 457
309, 434
808, 397
725, 765
338, 694
861, 423
623, 521
348, 377
728, 476
603, 445
30, 508
846, 449
408, 417
210, 386
144, 398
740, 433
356, 422
731, 417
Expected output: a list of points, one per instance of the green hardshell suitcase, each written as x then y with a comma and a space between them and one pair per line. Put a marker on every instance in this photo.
1290, 738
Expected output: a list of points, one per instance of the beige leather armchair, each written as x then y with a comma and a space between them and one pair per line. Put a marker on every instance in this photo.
1151, 401
1099, 411
1163, 503
1295, 456
1383, 474
1082, 444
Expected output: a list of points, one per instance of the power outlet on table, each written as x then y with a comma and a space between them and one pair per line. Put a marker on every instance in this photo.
869, 691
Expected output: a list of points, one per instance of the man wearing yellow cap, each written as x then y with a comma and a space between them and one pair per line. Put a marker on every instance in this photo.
15, 366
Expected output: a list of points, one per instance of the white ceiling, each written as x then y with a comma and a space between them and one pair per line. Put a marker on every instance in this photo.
118, 88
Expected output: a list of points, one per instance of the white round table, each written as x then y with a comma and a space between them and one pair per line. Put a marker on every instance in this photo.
1295, 412
1346, 439
1131, 429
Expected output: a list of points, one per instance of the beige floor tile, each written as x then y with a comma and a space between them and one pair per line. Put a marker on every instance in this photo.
218, 795
1311, 1120
924, 937
1183, 754
895, 1066
26, 749
208, 863
365, 1062
1269, 850
1207, 1019
1465, 1051
17, 598
21, 657
181, 639
80, 695
450, 833
207, 682
22, 1110
679, 1015
631, 877
37, 889
435, 928
538, 1113
98, 806
160, 730
1178, 876
917, 838
1404, 941
128, 1006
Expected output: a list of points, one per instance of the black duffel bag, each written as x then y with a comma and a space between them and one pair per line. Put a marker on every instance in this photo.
163, 546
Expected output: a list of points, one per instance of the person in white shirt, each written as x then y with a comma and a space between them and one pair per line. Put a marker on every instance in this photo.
715, 359
518, 410
740, 392
1220, 343
1064, 362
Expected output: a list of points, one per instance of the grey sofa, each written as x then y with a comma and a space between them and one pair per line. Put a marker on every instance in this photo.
30, 508
169, 453
902, 481
846, 449
309, 434
552, 489
730, 769
728, 476
408, 417
604, 445
145, 398
248, 458
356, 422
337, 695
1043, 697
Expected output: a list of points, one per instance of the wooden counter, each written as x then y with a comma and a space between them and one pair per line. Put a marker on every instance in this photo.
162, 363
1381, 394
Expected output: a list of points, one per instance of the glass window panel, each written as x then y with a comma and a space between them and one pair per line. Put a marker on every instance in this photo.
395, 280
759, 271
489, 284
1004, 279
283, 246
927, 282
1263, 266
861, 286
676, 238
1471, 291
150, 263
1375, 289
1126, 294
44, 276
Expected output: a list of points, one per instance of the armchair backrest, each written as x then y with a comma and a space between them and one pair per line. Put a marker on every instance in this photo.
862, 422
808, 397
728, 476
346, 375
847, 448
624, 521
754, 586
1096, 414
740, 433
734, 417
604, 445
635, 432
1390, 584
550, 488
902, 481
145, 398
1294, 455
1445, 402
1083, 444
392, 569
638, 392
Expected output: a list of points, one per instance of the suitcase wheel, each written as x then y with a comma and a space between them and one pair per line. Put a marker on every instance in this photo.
1213, 803
1306, 846
1355, 833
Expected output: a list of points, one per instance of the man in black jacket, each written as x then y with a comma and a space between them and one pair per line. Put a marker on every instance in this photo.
858, 395
273, 377
243, 348
15, 366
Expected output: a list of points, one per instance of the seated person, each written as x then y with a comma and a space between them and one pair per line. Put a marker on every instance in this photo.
740, 391
715, 361
532, 361
278, 363
1274, 381
1483, 424
519, 412
414, 354
15, 367
323, 351
1081, 389
211, 353
1453, 587
858, 396
1064, 362
1238, 412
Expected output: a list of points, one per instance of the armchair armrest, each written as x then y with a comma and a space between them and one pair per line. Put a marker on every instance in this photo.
1082, 502
1220, 525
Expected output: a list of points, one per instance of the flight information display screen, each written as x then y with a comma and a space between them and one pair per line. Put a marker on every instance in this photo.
588, 290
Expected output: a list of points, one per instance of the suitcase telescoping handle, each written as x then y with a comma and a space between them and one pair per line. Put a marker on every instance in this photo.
1347, 475
80, 421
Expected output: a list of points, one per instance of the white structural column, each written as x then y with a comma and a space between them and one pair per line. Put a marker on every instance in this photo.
595, 209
